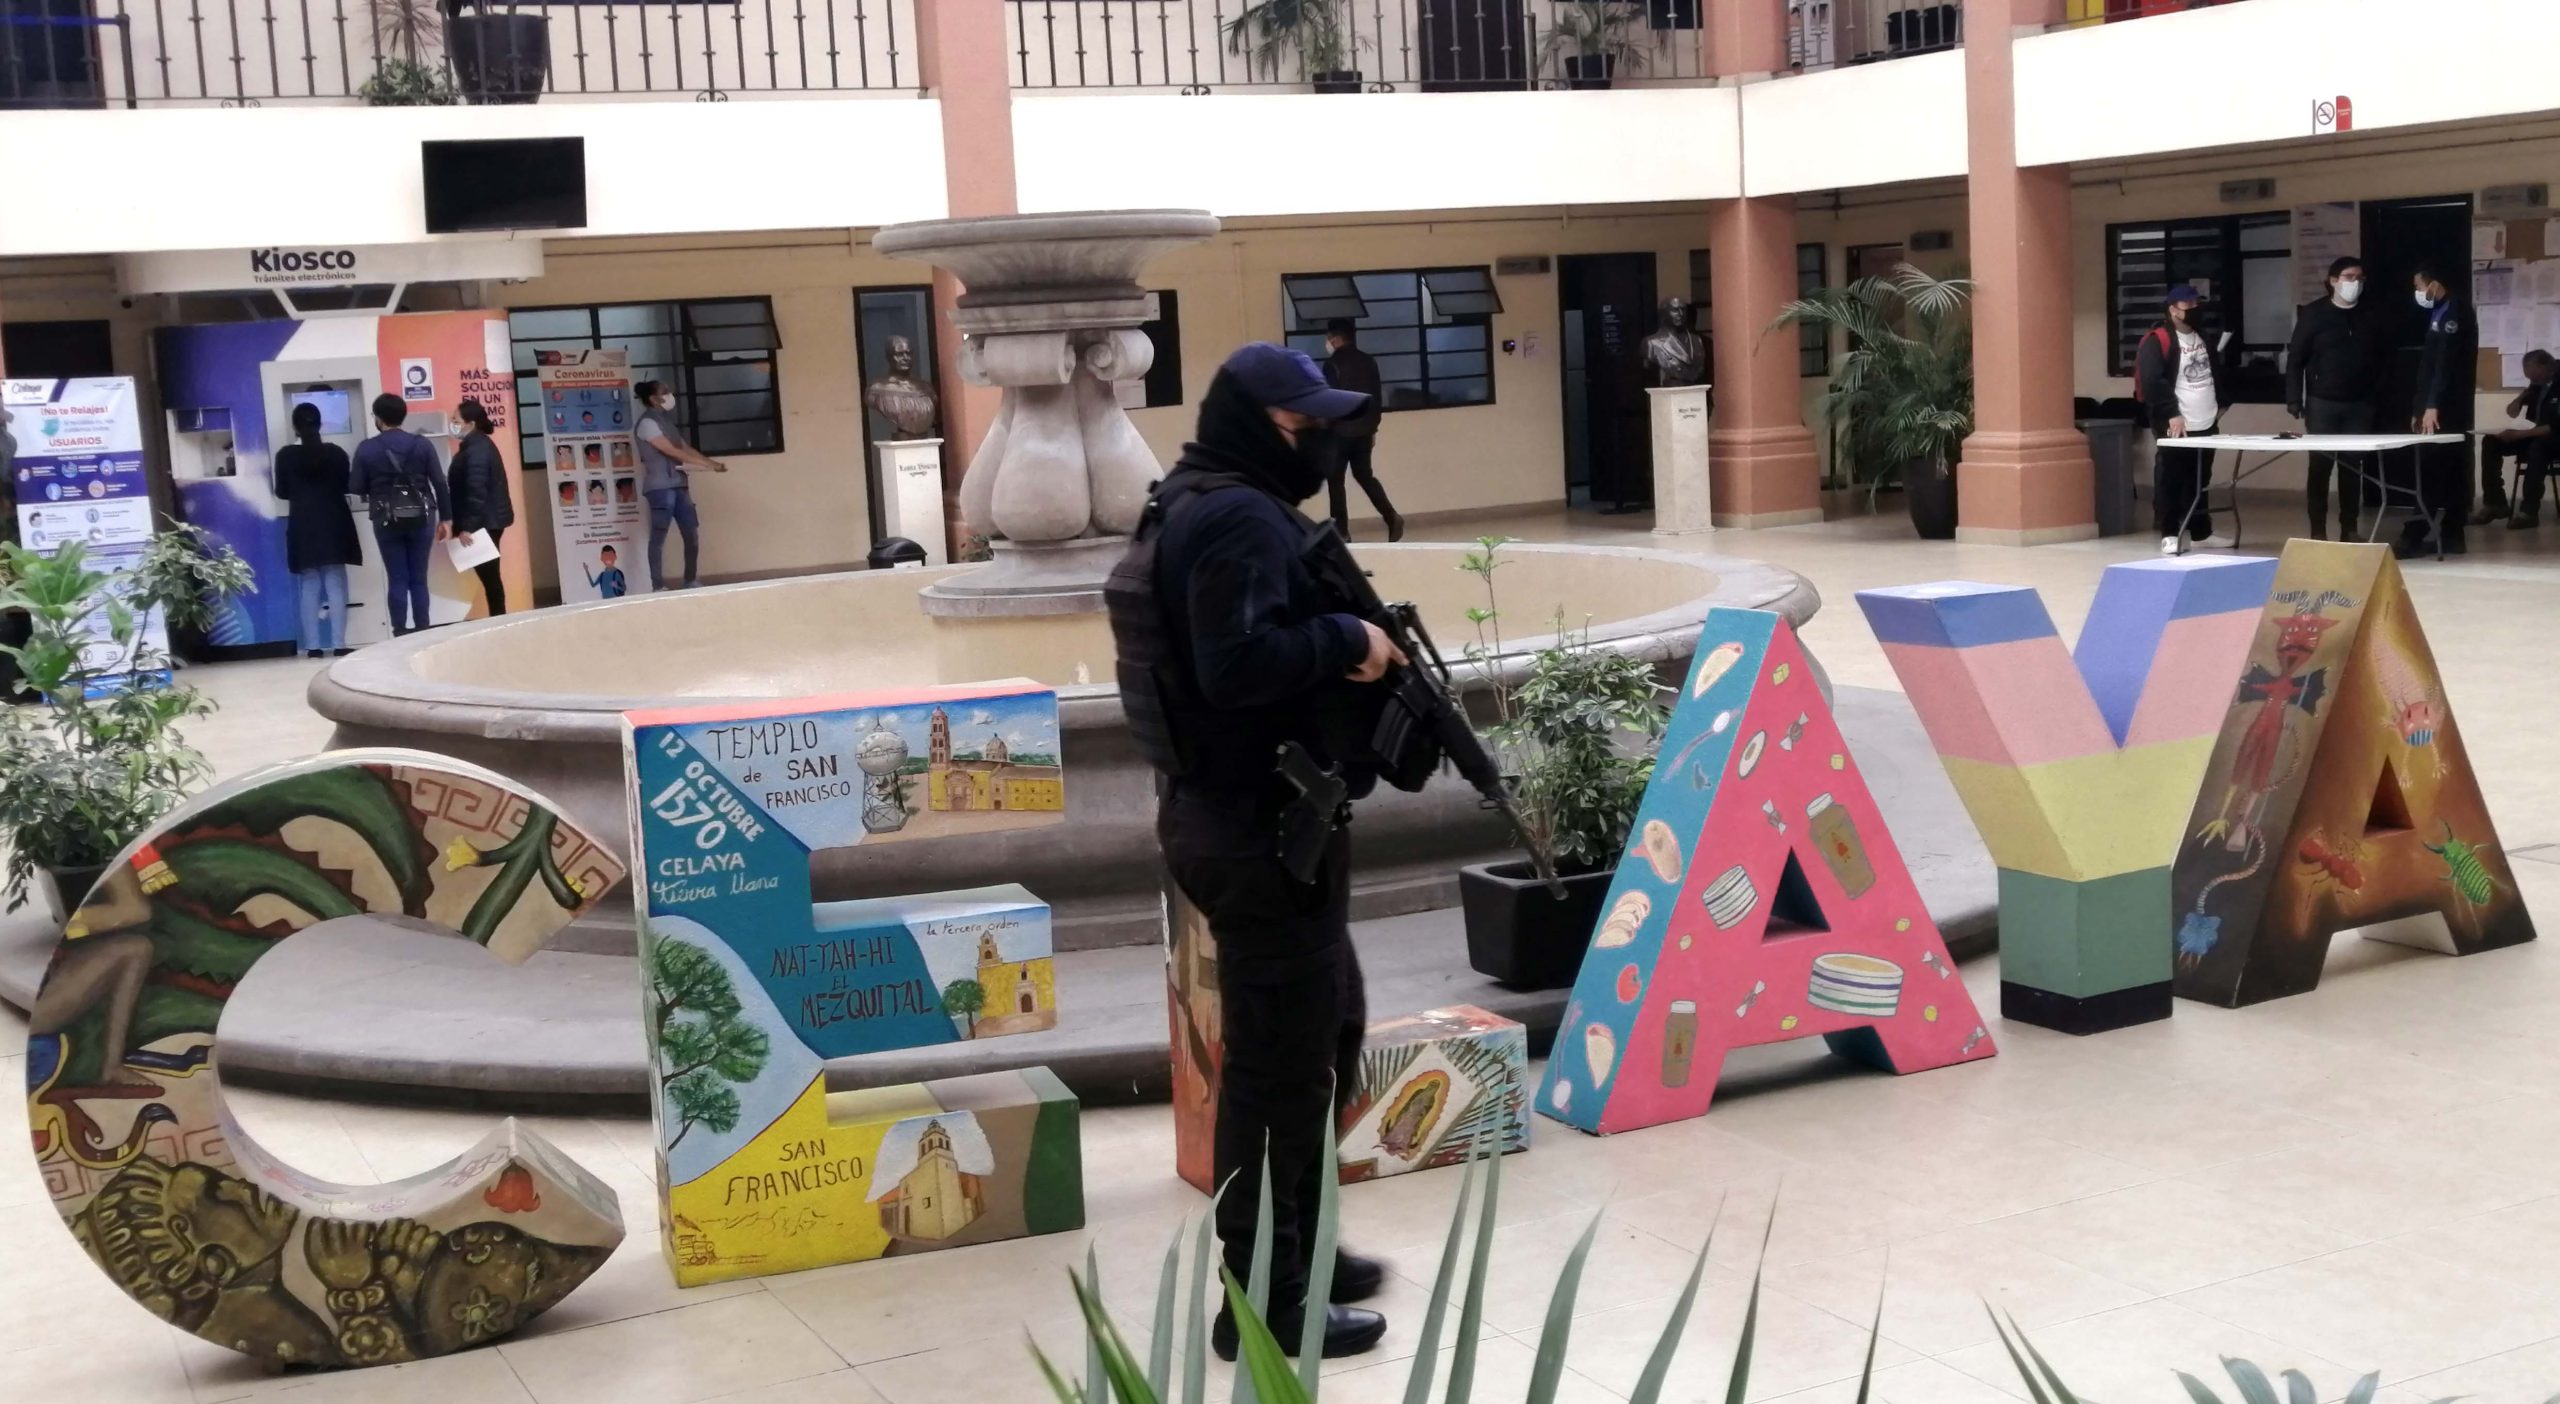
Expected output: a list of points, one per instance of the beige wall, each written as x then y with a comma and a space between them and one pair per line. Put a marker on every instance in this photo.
1508, 453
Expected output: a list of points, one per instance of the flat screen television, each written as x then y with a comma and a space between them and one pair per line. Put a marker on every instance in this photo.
515, 183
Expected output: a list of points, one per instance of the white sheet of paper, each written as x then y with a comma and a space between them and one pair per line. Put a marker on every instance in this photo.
2493, 284
2488, 240
464, 555
2546, 281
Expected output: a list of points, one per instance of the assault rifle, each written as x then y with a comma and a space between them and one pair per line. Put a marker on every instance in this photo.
1422, 723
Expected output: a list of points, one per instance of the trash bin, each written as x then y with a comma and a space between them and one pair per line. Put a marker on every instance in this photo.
896, 551
2111, 449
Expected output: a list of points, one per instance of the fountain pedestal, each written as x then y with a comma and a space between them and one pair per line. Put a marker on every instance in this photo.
1051, 317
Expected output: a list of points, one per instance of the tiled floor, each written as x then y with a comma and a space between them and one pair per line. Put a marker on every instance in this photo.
2366, 1177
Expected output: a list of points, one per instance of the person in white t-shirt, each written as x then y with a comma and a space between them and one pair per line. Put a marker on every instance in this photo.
2177, 376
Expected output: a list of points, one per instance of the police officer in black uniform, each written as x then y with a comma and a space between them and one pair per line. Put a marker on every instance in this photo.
1229, 649
2448, 371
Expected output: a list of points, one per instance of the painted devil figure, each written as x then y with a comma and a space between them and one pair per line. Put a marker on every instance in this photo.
2277, 694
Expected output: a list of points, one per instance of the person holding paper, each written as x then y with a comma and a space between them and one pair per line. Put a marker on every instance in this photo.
2332, 373
2448, 371
478, 477
2529, 447
2177, 376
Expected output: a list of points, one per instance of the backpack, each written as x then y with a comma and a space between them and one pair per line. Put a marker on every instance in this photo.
398, 500
2168, 349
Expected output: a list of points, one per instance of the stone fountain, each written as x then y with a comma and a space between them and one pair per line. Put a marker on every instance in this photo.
1052, 318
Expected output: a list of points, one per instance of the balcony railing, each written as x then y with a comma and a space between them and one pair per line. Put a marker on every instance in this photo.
1201, 46
248, 53
1829, 33
2077, 13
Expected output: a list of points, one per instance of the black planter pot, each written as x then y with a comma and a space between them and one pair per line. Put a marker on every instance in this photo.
14, 629
499, 58
1929, 489
1586, 72
1340, 80
71, 885
1520, 933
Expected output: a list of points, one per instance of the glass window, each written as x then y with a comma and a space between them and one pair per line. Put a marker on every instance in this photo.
1430, 329
720, 355
1813, 343
2242, 264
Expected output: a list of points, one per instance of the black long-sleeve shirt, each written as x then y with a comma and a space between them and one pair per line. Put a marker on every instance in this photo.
2449, 367
2336, 353
1350, 368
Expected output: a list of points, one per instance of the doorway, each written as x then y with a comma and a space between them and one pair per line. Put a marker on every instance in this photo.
2398, 236
1605, 305
57, 350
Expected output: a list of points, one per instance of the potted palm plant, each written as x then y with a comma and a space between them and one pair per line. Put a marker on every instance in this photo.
1904, 391
103, 756
429, 53
1591, 41
1575, 734
1316, 29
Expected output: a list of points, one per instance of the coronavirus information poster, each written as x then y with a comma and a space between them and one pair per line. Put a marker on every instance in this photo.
599, 523
78, 478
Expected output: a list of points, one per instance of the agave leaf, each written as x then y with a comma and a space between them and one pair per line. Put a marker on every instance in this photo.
1119, 1370
2196, 1390
1067, 1393
2052, 1377
1737, 1384
2254, 1385
1195, 1346
1426, 1356
1658, 1367
1875, 1332
2364, 1389
1160, 1344
1462, 1363
1260, 1367
2298, 1389
1096, 1381
1320, 1264
1258, 1279
1549, 1370
2035, 1386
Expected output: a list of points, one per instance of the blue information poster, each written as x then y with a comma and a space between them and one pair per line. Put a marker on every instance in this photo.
78, 477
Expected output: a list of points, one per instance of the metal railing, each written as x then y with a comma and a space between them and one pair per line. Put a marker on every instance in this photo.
2077, 13
1829, 33
1201, 46
247, 53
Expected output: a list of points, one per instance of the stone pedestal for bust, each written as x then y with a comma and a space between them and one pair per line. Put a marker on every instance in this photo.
1680, 488
1052, 317
911, 470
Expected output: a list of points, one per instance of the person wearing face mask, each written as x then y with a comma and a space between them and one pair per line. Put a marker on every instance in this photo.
2332, 376
2448, 372
2177, 376
1230, 649
667, 466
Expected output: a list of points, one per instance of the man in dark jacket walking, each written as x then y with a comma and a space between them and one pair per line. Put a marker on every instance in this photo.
2177, 374
2448, 372
1347, 367
2332, 374
480, 498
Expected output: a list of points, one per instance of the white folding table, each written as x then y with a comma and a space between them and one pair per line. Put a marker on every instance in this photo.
2271, 447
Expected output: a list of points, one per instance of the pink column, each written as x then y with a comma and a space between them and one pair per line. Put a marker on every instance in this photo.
1746, 38
1760, 457
960, 49
2025, 478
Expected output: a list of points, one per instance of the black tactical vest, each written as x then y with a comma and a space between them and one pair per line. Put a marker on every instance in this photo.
1157, 691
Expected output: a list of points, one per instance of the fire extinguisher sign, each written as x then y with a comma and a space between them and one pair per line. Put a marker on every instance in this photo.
2337, 114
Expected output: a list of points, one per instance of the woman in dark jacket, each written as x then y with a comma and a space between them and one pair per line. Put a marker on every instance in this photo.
319, 531
480, 500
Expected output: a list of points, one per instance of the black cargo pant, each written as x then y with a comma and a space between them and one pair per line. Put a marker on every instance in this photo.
2336, 417
1356, 456
2532, 458
1294, 1009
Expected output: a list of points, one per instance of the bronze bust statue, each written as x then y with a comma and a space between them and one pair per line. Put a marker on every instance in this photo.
1676, 355
901, 399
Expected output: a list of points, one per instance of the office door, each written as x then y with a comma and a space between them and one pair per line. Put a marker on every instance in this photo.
2398, 236
1606, 307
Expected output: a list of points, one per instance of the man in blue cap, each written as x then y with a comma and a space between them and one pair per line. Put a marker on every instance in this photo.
2177, 377
1230, 650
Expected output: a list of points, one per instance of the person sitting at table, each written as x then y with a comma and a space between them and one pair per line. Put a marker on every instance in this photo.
2529, 447
2177, 375
2332, 371
2448, 369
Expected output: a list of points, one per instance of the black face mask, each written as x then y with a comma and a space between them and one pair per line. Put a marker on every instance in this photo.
1318, 446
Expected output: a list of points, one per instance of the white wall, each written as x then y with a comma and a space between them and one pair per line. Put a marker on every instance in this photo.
2237, 74
1248, 154
1874, 124
194, 178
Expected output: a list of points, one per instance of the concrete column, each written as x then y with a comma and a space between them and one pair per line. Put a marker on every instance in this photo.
960, 49
1746, 38
1761, 457
2025, 478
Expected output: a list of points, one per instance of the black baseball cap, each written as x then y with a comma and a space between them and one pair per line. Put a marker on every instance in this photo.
1276, 377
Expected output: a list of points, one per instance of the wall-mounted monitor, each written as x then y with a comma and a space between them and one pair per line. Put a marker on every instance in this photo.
516, 183
336, 416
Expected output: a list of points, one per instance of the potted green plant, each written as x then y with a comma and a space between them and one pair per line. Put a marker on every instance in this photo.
1575, 734
103, 756
1590, 41
1904, 391
429, 53
1315, 29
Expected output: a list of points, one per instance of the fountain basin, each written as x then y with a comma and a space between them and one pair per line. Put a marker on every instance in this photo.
539, 697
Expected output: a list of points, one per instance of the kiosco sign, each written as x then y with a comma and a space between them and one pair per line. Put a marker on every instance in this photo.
329, 265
